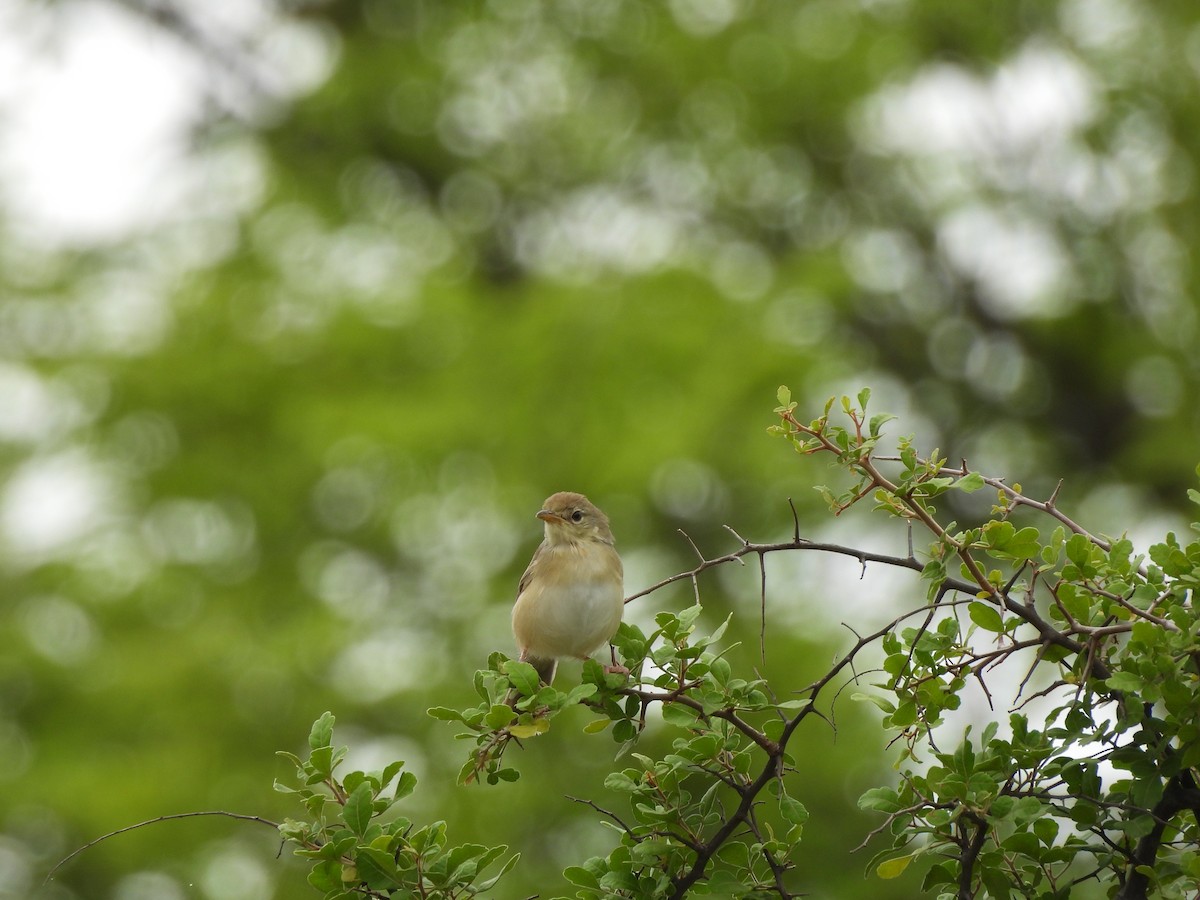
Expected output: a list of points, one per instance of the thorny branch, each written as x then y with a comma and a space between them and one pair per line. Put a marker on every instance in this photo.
1080, 639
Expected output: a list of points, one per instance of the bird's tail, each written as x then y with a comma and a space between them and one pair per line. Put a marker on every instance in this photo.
545, 668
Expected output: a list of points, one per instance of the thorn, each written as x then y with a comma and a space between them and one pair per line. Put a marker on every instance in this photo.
745, 543
795, 521
1054, 494
688, 538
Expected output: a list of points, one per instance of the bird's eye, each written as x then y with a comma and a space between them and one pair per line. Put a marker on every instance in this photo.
577, 516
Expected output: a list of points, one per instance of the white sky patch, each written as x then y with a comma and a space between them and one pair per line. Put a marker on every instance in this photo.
1018, 263
94, 129
389, 661
231, 873
97, 107
704, 18
32, 409
1014, 131
595, 229
50, 502
1041, 95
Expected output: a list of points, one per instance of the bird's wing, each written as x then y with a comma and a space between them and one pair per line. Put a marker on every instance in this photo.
533, 564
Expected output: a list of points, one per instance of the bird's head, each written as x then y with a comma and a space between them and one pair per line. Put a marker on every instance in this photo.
571, 518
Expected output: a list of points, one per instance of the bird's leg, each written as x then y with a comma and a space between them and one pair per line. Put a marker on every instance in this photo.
616, 668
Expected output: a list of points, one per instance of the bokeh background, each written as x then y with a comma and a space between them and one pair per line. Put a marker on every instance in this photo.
305, 306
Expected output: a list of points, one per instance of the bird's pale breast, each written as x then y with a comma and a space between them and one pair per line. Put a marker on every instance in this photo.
573, 603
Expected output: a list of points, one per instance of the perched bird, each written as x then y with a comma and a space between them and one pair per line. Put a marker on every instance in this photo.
570, 599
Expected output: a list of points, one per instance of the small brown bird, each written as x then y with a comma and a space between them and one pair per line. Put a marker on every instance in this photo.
570, 599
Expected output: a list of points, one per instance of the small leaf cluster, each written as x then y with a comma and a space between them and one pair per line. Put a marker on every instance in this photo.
678, 835
850, 445
680, 804
983, 801
357, 850
514, 705
928, 674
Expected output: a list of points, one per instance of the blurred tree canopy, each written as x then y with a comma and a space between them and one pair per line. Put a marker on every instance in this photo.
275, 448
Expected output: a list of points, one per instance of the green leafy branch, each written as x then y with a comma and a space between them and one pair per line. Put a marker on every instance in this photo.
357, 850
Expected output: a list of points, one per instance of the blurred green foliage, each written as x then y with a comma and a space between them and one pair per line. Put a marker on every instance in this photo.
279, 452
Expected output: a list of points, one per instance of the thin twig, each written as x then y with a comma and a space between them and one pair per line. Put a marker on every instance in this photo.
605, 812
188, 815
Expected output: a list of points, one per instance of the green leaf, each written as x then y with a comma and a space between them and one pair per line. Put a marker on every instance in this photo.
620, 781
939, 873
1047, 830
326, 876
1025, 544
320, 761
998, 534
877, 422
291, 757
500, 715
1027, 809
624, 731
985, 616
580, 876
1137, 827
884, 704
392, 770
783, 395
522, 676
444, 714
1025, 842
905, 714
720, 630
1079, 550
725, 883
1002, 806
593, 673
863, 397
358, 809
688, 617
792, 810
884, 799
1126, 682
579, 692
531, 729
377, 868
679, 715
489, 883
321, 734
894, 868
969, 483
405, 786
999, 882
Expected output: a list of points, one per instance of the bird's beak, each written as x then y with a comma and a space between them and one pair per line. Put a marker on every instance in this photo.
546, 516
